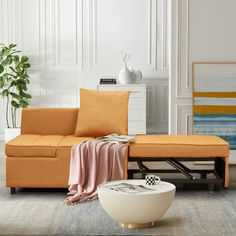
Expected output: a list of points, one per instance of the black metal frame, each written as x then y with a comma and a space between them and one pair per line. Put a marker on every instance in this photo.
218, 171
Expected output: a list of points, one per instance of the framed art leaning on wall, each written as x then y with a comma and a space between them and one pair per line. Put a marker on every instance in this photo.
214, 100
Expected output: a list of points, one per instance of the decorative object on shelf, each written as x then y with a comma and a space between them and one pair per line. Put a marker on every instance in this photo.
108, 81
125, 75
214, 100
14, 80
136, 76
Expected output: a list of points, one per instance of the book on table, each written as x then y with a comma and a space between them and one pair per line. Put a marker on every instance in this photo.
117, 138
129, 188
108, 81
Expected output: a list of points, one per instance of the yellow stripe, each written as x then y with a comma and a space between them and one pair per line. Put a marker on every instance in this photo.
214, 109
215, 94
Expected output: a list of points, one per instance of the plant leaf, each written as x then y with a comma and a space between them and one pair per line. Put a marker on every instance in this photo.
24, 59
26, 65
1, 83
5, 93
16, 57
7, 61
12, 45
14, 95
1, 68
15, 104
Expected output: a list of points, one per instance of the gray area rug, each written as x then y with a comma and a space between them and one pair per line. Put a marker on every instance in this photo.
40, 212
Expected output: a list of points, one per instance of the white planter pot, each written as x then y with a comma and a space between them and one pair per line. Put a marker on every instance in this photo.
11, 133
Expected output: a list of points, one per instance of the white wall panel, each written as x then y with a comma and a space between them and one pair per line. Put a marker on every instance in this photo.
184, 119
4, 9
68, 32
31, 23
108, 42
72, 43
157, 106
201, 31
184, 84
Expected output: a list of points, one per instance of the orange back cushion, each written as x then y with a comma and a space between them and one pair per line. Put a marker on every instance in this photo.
57, 121
102, 113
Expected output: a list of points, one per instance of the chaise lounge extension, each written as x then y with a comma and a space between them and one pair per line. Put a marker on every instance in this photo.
40, 156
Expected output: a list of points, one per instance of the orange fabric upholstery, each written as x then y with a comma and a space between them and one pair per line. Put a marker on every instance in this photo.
98, 117
178, 146
40, 157
37, 172
47, 121
31, 145
64, 146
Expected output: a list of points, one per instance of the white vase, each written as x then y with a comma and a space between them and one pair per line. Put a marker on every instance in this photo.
125, 75
11, 133
136, 76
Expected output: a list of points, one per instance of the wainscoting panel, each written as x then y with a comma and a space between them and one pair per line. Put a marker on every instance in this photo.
68, 33
106, 55
31, 31
184, 119
157, 106
73, 43
184, 85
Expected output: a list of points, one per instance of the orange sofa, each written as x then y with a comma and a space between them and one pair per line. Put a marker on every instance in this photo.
40, 156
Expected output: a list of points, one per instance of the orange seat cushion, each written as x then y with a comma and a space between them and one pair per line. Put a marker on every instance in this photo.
64, 146
102, 113
30, 145
178, 146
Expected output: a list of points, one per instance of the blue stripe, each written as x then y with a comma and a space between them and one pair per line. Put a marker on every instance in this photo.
222, 125
215, 115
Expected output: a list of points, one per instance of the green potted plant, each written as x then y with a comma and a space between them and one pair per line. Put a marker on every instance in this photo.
14, 80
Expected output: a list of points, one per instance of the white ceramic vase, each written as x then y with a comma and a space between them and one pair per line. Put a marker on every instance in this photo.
11, 133
125, 75
136, 76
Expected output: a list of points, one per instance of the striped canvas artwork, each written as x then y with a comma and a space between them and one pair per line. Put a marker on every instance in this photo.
214, 101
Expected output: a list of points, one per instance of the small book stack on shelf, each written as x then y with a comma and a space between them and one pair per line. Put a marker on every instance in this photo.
107, 81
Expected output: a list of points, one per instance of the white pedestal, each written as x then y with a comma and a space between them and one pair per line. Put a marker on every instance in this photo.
11, 133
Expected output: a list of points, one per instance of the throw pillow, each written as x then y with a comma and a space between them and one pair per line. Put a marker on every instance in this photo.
102, 113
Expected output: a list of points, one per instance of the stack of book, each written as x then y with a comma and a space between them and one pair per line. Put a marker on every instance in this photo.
107, 81
128, 188
117, 138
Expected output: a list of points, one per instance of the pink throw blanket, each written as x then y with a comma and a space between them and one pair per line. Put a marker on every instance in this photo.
93, 163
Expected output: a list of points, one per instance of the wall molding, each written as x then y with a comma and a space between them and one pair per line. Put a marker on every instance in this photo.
164, 61
165, 104
184, 119
152, 104
78, 37
154, 64
44, 28
183, 88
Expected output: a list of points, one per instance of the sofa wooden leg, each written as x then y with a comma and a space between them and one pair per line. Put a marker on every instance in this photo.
13, 190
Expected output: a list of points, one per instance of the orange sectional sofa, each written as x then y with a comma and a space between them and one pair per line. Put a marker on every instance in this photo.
40, 156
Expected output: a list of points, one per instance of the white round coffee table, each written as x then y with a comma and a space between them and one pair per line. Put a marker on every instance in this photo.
136, 210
